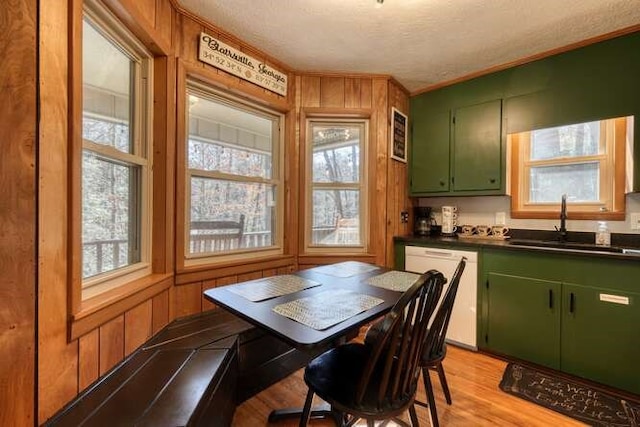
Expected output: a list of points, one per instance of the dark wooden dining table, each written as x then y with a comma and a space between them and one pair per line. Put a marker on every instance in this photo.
298, 335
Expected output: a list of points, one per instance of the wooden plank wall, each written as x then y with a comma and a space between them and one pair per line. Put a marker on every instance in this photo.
17, 210
388, 178
397, 194
67, 367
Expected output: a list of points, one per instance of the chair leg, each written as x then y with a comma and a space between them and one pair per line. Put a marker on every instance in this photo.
443, 382
306, 412
430, 397
414, 416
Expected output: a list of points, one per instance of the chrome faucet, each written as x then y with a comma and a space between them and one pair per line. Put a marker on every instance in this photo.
562, 231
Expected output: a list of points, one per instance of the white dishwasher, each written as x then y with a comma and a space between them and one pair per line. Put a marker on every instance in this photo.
462, 325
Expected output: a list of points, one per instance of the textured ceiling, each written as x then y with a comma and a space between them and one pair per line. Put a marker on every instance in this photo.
419, 42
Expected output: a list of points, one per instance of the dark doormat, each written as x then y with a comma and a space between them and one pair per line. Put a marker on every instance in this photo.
583, 403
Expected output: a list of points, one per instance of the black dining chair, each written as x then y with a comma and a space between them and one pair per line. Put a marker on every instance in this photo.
377, 380
435, 348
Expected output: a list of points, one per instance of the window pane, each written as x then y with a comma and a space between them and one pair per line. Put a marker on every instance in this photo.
581, 139
581, 182
216, 201
211, 156
107, 91
336, 153
229, 140
109, 235
336, 218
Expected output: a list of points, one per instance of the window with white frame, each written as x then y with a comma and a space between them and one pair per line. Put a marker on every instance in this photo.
234, 183
336, 183
585, 161
116, 172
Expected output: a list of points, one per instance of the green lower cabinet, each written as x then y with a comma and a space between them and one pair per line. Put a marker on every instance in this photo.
601, 335
578, 315
524, 318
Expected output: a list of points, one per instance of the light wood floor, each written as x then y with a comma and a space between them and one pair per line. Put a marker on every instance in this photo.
473, 379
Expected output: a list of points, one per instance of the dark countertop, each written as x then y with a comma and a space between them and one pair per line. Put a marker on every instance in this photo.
627, 241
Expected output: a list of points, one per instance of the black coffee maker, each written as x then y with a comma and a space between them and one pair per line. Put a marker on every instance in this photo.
422, 220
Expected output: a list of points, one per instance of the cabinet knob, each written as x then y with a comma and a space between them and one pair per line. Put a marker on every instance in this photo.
441, 183
492, 180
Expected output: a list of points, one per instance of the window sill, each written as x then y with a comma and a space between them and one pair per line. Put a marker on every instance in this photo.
98, 310
190, 274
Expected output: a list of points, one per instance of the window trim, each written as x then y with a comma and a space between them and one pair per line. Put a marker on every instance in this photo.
87, 295
322, 116
615, 139
195, 85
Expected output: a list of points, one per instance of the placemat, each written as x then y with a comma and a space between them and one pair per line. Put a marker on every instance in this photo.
328, 308
580, 401
346, 269
394, 280
271, 287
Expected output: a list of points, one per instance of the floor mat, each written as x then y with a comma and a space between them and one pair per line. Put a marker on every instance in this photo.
581, 402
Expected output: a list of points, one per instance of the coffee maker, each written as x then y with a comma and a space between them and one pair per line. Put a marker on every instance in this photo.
422, 220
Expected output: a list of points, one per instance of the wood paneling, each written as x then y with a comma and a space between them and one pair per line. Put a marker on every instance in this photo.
68, 365
332, 92
206, 304
397, 181
137, 326
88, 358
57, 359
17, 210
160, 313
310, 92
378, 161
188, 299
111, 344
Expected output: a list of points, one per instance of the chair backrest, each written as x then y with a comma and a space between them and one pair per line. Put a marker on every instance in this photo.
392, 369
438, 328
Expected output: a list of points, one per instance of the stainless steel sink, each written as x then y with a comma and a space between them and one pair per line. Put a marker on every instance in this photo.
556, 244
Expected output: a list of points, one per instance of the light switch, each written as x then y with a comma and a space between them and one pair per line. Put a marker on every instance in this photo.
635, 220
501, 218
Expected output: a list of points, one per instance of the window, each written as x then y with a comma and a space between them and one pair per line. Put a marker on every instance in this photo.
233, 177
585, 161
336, 197
116, 177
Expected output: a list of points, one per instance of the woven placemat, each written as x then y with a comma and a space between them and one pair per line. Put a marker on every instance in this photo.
271, 287
328, 308
582, 402
394, 280
346, 269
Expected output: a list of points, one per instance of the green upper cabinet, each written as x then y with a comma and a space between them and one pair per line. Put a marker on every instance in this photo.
457, 152
430, 153
595, 82
477, 147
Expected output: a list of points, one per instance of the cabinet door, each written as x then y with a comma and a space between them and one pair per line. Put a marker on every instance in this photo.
524, 318
430, 153
600, 335
477, 147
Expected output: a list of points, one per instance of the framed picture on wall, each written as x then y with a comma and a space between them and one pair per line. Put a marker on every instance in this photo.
399, 125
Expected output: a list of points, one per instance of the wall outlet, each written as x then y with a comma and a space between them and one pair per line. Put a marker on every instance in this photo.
635, 220
404, 217
501, 218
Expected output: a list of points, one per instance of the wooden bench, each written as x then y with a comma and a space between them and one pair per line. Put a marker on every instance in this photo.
192, 373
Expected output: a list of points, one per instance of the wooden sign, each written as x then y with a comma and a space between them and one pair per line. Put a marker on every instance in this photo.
398, 135
222, 56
